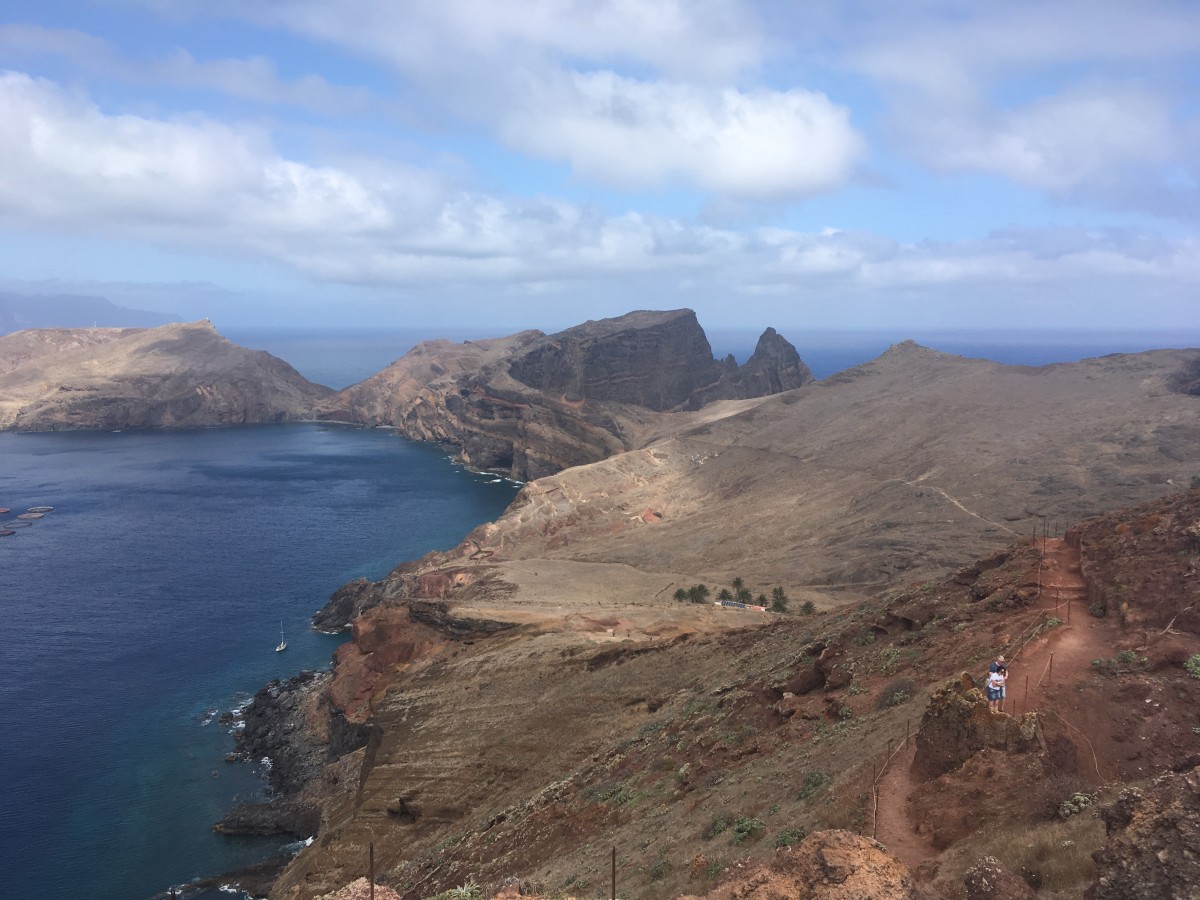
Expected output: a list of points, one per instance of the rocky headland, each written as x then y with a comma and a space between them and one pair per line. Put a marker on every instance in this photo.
507, 711
532, 404
180, 375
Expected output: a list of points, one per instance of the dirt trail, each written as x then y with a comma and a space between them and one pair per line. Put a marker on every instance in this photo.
894, 827
1063, 654
1074, 647
1074, 643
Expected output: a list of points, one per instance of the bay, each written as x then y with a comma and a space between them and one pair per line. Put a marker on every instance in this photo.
151, 598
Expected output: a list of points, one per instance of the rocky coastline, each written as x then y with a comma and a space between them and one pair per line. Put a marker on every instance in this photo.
558, 634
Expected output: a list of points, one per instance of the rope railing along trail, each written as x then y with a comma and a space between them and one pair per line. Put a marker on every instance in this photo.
877, 776
1082, 734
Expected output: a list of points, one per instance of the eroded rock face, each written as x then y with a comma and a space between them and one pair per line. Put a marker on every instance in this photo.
1153, 837
826, 865
957, 724
988, 880
533, 404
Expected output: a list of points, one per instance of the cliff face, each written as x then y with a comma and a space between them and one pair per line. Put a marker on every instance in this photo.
183, 375
533, 404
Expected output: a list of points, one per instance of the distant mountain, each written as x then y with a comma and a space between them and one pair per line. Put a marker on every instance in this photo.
178, 375
21, 311
531, 404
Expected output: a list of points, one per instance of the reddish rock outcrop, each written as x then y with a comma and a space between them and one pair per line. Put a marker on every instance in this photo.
957, 724
827, 865
1153, 836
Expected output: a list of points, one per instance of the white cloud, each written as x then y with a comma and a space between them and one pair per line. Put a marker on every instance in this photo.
1082, 137
1086, 102
192, 184
764, 144
549, 77
253, 78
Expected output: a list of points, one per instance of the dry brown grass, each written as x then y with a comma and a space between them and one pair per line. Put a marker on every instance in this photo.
1054, 858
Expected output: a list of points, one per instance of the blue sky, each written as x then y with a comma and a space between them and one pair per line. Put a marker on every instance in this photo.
818, 165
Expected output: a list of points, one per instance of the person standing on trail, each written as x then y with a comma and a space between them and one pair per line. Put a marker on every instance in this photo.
998, 664
995, 687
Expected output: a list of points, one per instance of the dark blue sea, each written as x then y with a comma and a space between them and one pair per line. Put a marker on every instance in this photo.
151, 599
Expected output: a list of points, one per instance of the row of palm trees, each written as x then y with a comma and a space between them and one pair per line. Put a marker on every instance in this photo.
737, 591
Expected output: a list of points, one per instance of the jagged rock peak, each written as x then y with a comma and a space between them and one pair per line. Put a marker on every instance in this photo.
774, 367
657, 359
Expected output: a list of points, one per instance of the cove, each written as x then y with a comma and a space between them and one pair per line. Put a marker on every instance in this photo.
151, 599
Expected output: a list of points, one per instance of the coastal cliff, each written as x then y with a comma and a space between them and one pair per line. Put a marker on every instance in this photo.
532, 404
504, 706
181, 375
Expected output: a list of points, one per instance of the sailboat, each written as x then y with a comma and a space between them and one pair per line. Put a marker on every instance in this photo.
282, 643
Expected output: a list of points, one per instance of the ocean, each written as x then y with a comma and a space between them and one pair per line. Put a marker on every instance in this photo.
151, 599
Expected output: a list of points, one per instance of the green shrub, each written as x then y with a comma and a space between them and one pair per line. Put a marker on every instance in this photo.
718, 825
660, 869
1074, 805
1193, 666
468, 891
814, 782
790, 836
897, 691
745, 829
808, 608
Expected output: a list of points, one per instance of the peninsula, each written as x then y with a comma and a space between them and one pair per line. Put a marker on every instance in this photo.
561, 681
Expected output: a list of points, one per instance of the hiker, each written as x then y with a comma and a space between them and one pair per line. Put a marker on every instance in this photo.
995, 687
998, 664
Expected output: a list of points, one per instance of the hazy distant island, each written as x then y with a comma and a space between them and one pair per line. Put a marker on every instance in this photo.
19, 312
727, 594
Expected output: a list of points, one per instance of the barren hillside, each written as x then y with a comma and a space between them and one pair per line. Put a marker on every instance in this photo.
521, 704
175, 375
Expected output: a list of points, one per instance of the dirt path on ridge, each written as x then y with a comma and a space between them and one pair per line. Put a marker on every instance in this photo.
1072, 647
894, 828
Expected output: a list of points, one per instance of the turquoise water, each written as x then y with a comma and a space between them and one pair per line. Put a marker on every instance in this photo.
150, 600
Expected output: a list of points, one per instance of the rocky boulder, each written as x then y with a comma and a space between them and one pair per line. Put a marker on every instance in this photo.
1152, 839
826, 865
988, 880
957, 724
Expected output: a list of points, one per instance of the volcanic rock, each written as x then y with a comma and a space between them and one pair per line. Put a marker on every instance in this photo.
532, 404
1152, 840
826, 865
958, 723
988, 880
